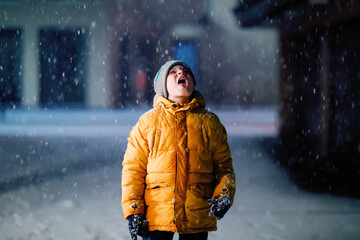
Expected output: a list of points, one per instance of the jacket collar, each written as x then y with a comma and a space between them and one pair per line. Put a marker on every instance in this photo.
197, 100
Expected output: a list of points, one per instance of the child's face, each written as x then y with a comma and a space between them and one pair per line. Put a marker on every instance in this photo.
179, 84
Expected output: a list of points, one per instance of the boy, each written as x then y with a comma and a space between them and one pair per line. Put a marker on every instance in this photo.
177, 169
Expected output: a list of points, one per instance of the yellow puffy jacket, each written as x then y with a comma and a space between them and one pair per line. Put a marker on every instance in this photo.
176, 159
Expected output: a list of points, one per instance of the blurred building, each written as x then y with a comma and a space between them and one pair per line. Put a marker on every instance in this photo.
53, 53
104, 54
319, 81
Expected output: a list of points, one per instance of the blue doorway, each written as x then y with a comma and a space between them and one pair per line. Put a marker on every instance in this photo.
188, 52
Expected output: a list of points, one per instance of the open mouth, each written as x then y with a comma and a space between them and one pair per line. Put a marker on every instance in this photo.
182, 82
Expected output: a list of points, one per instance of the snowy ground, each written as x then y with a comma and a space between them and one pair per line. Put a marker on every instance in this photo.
86, 204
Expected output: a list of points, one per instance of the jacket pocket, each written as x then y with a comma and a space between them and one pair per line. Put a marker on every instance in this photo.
156, 186
198, 195
156, 194
204, 190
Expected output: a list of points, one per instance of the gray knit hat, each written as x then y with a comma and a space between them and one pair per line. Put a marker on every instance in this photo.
160, 78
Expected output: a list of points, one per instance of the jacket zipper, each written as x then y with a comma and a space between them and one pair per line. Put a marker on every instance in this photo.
176, 165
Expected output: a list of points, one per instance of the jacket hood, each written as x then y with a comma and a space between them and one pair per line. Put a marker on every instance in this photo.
197, 100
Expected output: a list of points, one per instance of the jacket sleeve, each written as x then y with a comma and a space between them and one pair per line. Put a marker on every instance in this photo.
222, 164
134, 171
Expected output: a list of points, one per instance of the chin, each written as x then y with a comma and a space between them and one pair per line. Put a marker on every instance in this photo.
185, 95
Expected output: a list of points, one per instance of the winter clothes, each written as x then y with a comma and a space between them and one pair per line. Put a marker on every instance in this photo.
160, 77
219, 206
176, 159
162, 235
137, 226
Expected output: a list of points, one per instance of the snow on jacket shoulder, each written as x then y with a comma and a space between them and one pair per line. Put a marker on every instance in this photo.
177, 158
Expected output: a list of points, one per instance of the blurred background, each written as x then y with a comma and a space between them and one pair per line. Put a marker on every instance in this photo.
282, 75
104, 54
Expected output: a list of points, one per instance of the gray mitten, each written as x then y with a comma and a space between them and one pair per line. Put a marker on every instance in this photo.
219, 206
137, 226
